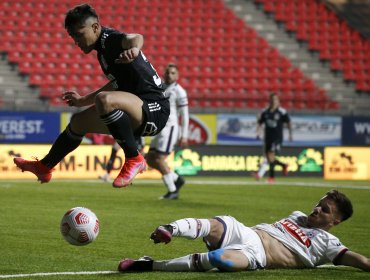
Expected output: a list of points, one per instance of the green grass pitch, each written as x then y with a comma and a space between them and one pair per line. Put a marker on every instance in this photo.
30, 213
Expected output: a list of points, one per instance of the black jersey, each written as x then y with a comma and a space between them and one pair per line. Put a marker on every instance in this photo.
138, 77
274, 123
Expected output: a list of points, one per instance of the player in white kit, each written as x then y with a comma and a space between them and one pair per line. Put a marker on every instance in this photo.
297, 241
163, 143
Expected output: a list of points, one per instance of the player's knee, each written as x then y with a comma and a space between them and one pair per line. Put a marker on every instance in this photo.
74, 126
217, 259
102, 99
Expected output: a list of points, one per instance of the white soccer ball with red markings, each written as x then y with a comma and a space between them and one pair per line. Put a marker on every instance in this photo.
79, 226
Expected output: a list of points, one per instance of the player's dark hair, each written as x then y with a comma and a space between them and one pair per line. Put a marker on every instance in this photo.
344, 205
272, 95
78, 15
171, 65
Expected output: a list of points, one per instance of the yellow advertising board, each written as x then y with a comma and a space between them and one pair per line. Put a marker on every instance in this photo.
86, 162
347, 163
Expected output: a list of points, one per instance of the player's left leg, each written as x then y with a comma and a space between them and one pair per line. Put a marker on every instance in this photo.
225, 260
122, 113
270, 155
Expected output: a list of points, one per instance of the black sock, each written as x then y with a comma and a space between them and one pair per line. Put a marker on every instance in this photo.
119, 125
66, 142
111, 160
272, 171
141, 266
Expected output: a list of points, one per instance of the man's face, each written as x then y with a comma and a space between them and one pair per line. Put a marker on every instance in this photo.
171, 75
324, 215
85, 36
274, 101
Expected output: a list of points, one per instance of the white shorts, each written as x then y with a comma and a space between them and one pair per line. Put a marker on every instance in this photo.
244, 239
165, 141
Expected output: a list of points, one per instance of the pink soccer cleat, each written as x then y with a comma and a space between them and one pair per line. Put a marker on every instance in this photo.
256, 176
125, 265
42, 172
143, 264
130, 169
162, 234
271, 180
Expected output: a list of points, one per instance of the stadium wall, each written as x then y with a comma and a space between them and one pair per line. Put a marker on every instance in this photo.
220, 144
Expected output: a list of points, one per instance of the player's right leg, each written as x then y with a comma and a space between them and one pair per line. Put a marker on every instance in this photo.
42, 172
81, 123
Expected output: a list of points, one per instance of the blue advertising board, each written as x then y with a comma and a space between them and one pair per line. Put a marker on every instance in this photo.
29, 127
356, 131
314, 131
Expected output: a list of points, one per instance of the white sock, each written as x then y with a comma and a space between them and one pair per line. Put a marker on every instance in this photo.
191, 228
194, 262
263, 168
174, 175
168, 181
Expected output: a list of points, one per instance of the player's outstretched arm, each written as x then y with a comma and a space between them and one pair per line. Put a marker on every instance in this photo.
355, 260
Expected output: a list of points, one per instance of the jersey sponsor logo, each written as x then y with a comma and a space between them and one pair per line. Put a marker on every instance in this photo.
150, 129
154, 107
296, 232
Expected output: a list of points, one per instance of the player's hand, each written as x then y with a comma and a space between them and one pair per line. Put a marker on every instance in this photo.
127, 56
72, 98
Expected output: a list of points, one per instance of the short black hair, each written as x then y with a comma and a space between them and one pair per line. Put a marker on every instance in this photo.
171, 65
78, 15
344, 205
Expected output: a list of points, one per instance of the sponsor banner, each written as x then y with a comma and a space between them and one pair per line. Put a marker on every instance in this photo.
307, 130
24, 127
237, 129
202, 129
86, 162
347, 163
356, 131
316, 131
240, 160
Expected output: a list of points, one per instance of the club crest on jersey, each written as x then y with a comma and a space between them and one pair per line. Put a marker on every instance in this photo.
296, 232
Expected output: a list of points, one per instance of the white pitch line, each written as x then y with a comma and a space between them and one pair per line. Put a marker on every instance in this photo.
57, 273
230, 182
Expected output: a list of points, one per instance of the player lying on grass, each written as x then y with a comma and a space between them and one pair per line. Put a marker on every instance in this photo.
297, 241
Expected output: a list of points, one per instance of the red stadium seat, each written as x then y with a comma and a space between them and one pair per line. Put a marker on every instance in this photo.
197, 35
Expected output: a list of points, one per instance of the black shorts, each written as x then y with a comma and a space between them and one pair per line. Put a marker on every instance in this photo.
273, 146
156, 115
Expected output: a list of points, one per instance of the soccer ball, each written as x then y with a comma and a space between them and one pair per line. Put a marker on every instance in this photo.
79, 226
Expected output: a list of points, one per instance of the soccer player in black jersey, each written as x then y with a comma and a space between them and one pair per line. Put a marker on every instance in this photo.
273, 118
131, 104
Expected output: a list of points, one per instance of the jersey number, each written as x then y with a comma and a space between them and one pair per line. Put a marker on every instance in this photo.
157, 80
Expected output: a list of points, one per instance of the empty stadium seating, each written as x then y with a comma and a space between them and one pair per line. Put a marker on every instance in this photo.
312, 22
223, 62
